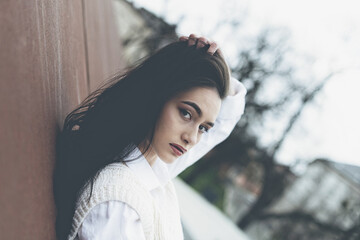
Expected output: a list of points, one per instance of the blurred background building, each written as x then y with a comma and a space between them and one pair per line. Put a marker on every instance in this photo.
323, 203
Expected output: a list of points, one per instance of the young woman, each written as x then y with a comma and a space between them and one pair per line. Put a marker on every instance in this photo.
120, 149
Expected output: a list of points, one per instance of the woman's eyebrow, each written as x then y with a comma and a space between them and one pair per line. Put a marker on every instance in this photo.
197, 109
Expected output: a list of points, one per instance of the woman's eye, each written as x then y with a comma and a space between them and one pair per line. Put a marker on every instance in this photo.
185, 114
203, 129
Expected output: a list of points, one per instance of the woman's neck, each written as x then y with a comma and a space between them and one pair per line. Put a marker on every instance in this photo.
150, 155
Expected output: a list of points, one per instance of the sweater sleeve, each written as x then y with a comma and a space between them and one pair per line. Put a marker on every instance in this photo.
231, 110
111, 220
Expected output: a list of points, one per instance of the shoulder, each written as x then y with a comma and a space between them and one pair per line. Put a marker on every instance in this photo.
115, 182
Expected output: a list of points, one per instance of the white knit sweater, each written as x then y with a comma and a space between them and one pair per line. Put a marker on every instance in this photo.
119, 183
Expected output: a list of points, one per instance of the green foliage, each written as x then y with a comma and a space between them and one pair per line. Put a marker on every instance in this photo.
209, 184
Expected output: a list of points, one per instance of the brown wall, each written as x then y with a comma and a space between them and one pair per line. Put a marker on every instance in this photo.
51, 54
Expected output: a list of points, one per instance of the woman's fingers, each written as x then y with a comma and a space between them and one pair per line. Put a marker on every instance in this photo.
192, 39
183, 38
213, 47
200, 42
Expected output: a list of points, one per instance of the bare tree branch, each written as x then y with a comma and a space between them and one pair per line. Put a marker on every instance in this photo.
306, 99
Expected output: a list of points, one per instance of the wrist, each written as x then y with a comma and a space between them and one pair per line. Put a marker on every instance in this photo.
232, 91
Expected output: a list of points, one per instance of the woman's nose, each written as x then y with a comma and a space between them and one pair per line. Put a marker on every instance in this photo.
190, 136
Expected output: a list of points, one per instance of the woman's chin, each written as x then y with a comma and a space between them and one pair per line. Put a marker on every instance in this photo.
169, 159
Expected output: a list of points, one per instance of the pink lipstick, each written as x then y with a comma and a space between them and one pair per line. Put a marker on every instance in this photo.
177, 149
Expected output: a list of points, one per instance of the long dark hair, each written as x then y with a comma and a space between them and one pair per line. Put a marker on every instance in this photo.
116, 118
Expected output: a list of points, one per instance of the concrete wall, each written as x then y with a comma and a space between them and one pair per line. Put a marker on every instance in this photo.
52, 53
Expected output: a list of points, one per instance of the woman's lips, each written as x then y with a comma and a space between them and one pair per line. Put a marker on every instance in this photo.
178, 150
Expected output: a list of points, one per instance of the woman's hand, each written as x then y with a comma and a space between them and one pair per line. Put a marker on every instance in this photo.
202, 42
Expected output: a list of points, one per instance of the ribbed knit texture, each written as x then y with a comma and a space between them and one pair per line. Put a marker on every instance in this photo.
117, 182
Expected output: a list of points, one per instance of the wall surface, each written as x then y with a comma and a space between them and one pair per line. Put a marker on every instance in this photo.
52, 53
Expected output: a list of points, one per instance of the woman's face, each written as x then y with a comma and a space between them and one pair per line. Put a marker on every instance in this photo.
182, 122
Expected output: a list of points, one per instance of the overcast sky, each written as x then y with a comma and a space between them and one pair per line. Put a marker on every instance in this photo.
326, 30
